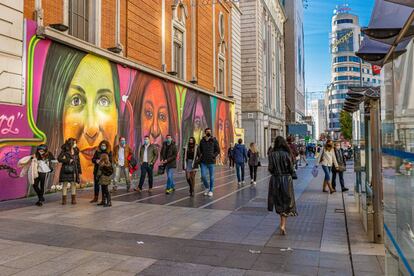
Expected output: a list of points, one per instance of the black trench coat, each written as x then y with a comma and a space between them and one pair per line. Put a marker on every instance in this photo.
281, 196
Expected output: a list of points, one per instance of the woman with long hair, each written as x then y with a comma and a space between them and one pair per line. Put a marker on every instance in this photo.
189, 163
103, 148
104, 174
281, 196
79, 98
44, 160
327, 159
253, 156
71, 170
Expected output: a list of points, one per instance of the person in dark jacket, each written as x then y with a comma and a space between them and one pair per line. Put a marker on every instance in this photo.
104, 175
341, 160
253, 156
71, 169
148, 155
103, 147
168, 159
281, 196
44, 160
208, 151
294, 153
240, 157
190, 163
230, 156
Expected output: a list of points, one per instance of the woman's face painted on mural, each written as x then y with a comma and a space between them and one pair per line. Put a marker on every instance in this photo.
90, 113
199, 121
154, 115
223, 126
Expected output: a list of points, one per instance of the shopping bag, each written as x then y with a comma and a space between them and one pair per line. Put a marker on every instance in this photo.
315, 171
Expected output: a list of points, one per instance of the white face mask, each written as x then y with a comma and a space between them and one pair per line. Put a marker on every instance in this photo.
75, 146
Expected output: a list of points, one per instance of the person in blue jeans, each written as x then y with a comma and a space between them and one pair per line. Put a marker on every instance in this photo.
240, 158
168, 159
207, 153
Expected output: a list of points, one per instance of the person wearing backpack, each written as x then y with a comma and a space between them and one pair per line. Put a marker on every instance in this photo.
104, 174
240, 157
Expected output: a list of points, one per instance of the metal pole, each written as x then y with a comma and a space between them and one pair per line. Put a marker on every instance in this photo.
376, 172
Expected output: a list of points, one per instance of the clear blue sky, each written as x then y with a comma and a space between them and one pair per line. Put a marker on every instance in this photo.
317, 26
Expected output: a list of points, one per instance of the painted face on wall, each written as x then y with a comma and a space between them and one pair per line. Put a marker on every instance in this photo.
221, 131
199, 121
90, 114
154, 113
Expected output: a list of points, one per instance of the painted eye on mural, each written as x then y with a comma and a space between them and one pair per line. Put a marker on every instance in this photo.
76, 100
162, 117
104, 101
148, 114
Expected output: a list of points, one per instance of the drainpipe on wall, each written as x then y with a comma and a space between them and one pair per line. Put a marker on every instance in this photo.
163, 65
193, 40
39, 13
118, 26
214, 46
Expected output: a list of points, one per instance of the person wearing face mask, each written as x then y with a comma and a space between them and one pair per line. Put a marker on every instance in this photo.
240, 158
44, 159
190, 163
103, 147
169, 160
340, 158
207, 153
71, 170
148, 155
121, 161
327, 159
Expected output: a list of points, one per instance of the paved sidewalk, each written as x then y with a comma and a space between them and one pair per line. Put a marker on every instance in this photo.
157, 234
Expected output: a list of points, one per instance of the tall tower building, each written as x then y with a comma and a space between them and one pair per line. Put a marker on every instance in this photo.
347, 69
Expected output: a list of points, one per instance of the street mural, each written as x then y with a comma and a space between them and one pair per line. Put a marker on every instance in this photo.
70, 93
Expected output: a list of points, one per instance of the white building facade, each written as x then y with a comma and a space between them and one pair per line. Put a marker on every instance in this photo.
263, 71
347, 69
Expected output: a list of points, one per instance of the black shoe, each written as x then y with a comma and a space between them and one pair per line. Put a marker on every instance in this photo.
345, 189
39, 203
101, 203
42, 199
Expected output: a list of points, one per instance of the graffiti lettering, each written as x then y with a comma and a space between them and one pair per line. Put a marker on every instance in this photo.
11, 157
7, 124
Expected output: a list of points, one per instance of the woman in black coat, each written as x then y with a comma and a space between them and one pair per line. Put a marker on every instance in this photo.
281, 196
71, 168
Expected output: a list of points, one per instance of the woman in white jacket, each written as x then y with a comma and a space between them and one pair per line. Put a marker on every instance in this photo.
327, 159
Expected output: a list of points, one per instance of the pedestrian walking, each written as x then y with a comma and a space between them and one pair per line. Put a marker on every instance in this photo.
148, 155
103, 148
293, 150
44, 167
122, 157
104, 175
230, 156
253, 156
190, 163
281, 196
302, 153
240, 158
169, 161
208, 151
71, 169
340, 158
327, 159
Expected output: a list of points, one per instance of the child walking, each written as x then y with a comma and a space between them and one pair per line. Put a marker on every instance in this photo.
104, 174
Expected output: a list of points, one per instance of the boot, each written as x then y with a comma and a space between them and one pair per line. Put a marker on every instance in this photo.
73, 200
95, 199
63, 200
102, 203
192, 184
188, 178
324, 186
108, 202
331, 190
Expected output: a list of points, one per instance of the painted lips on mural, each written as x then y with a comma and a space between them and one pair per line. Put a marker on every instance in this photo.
70, 93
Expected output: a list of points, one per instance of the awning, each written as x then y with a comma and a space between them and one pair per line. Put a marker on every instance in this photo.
387, 20
358, 94
375, 52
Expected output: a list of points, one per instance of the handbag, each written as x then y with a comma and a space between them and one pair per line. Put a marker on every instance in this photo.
315, 171
161, 169
294, 175
69, 169
341, 168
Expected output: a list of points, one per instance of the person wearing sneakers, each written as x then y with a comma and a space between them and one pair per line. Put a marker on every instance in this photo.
253, 155
148, 155
121, 154
208, 151
240, 157
169, 160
